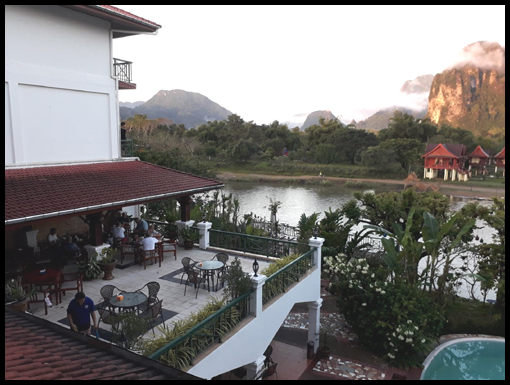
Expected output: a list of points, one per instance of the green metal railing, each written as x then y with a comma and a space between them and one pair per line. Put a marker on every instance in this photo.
180, 352
268, 247
126, 148
279, 282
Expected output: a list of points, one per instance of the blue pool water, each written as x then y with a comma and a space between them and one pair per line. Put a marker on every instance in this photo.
466, 359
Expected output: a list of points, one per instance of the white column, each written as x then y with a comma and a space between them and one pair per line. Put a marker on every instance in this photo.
445, 174
94, 251
314, 322
204, 234
424, 172
453, 175
256, 296
254, 369
317, 243
180, 225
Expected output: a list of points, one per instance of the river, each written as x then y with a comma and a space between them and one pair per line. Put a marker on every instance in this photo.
296, 200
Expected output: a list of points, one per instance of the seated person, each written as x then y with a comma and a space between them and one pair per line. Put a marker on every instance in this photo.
149, 243
124, 218
52, 237
69, 245
141, 226
119, 231
151, 232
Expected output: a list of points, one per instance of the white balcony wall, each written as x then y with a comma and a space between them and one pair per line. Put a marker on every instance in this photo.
60, 98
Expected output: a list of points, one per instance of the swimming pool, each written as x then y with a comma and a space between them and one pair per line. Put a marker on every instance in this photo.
469, 358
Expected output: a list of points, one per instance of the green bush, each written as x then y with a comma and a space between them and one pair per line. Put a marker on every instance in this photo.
397, 321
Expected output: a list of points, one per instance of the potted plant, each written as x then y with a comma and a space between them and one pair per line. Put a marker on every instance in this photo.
171, 232
324, 350
89, 269
16, 296
107, 262
189, 236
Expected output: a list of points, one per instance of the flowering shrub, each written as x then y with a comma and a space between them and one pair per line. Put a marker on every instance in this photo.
392, 319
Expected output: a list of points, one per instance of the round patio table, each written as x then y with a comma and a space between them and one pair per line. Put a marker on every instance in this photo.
209, 269
129, 302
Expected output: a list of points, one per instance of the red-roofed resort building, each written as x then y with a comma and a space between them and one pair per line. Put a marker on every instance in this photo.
445, 161
499, 159
478, 161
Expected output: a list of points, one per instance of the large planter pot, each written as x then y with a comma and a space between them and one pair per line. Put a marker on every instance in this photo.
107, 269
20, 305
323, 351
188, 245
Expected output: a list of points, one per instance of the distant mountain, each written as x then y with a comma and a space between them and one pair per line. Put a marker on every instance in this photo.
130, 104
189, 108
471, 94
313, 118
380, 119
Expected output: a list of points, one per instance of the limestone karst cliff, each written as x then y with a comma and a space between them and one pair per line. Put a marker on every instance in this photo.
471, 95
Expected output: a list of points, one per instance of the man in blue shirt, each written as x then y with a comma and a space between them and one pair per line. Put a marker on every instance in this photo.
79, 311
141, 227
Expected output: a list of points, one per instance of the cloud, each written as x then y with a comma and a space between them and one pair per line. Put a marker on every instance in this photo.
482, 54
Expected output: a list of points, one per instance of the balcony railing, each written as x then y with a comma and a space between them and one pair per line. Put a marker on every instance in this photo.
126, 148
122, 70
268, 247
180, 352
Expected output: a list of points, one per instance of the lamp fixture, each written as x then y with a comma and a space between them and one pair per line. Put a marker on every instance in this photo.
255, 268
315, 232
203, 217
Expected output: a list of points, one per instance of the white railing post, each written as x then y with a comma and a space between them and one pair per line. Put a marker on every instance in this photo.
317, 243
204, 234
256, 296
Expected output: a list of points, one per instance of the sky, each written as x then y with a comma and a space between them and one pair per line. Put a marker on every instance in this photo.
272, 62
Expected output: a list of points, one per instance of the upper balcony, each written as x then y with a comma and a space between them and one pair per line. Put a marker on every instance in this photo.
122, 70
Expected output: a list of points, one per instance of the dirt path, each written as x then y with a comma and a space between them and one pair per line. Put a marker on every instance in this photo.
467, 190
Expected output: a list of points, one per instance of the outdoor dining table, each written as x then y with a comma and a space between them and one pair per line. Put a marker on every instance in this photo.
209, 269
129, 301
50, 277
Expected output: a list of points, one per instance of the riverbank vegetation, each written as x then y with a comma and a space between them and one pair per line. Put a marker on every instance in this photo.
330, 147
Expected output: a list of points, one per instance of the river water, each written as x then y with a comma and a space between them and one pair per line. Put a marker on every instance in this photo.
296, 200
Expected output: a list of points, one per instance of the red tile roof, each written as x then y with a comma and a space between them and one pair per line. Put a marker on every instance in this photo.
445, 150
36, 349
501, 154
39, 192
478, 153
121, 12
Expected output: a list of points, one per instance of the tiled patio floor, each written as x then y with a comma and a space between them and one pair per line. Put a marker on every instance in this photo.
134, 277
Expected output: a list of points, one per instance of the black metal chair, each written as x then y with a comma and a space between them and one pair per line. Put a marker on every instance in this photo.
194, 278
152, 312
107, 292
222, 257
106, 314
187, 263
152, 296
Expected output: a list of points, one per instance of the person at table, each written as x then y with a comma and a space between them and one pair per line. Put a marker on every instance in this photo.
79, 312
52, 237
149, 243
69, 245
141, 226
119, 232
124, 218
151, 232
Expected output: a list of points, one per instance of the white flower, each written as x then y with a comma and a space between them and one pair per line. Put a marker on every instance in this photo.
391, 344
409, 340
371, 286
394, 335
353, 274
363, 304
423, 341
416, 327
409, 321
391, 355
372, 276
383, 292
364, 272
385, 283
350, 286
401, 338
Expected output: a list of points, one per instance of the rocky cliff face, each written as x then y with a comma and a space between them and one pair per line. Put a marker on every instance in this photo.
471, 95
314, 117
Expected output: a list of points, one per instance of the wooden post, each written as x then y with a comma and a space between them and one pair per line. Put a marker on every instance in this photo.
185, 202
96, 230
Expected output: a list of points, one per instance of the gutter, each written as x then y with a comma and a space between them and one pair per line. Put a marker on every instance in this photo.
128, 202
